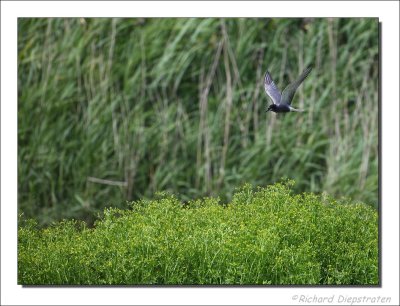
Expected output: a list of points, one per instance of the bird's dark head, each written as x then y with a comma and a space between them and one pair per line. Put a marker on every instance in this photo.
272, 107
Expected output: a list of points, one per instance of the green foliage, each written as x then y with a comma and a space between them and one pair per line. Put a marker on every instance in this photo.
264, 236
178, 105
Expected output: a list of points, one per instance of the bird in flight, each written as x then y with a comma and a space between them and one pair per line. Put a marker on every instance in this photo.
281, 102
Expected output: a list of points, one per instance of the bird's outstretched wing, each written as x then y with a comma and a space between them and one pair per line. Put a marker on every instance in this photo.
290, 90
271, 89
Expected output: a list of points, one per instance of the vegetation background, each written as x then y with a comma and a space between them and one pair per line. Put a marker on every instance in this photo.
264, 236
113, 110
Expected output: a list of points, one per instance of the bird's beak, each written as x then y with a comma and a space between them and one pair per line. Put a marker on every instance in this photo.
268, 110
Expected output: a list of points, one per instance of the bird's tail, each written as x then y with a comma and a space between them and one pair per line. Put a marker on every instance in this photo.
292, 109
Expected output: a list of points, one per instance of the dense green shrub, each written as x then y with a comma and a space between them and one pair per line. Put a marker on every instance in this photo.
267, 236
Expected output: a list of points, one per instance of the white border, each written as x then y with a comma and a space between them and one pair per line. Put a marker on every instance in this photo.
13, 294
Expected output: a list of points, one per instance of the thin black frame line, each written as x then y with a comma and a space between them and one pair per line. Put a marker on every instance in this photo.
194, 17
202, 1
380, 154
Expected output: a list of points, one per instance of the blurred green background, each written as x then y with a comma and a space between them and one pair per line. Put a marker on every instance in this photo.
113, 110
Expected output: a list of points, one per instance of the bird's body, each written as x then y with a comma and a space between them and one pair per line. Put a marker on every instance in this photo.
279, 108
281, 102
283, 108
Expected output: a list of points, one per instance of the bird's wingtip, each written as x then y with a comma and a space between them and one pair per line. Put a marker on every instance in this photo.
267, 77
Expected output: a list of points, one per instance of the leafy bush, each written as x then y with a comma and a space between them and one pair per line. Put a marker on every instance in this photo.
264, 236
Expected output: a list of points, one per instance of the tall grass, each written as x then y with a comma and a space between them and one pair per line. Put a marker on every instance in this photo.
111, 110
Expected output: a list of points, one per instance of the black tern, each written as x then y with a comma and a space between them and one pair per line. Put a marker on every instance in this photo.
281, 102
